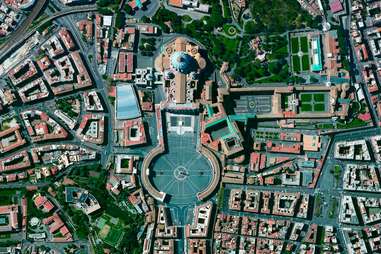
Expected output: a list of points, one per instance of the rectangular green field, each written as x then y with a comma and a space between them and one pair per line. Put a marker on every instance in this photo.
296, 63
304, 44
295, 45
306, 97
306, 107
115, 236
319, 107
305, 63
319, 97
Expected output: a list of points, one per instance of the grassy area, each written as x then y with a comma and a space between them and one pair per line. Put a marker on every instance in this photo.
112, 5
355, 123
277, 70
318, 205
4, 236
111, 100
319, 97
325, 126
312, 102
111, 230
186, 18
294, 45
278, 53
224, 47
5, 199
296, 63
280, 15
306, 97
6, 196
66, 106
267, 135
305, 63
220, 197
230, 30
343, 37
93, 178
319, 107
284, 101
227, 14
306, 107
332, 208
304, 44
336, 172
44, 26
271, 79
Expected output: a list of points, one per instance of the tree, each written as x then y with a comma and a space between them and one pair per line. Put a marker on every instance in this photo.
252, 27
216, 18
275, 67
104, 3
105, 11
119, 20
145, 19
128, 9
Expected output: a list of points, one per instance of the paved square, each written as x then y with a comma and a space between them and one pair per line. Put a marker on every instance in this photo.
181, 172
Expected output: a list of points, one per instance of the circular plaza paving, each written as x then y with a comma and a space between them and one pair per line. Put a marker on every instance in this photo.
182, 171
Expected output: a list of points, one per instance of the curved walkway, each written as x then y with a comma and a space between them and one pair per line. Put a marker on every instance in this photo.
216, 173
147, 172
158, 195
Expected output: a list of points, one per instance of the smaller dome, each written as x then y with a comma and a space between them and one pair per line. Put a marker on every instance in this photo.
168, 75
182, 62
194, 75
150, 77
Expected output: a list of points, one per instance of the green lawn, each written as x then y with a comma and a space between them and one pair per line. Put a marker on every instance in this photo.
305, 63
355, 123
271, 79
319, 97
304, 44
279, 53
5, 200
332, 208
231, 44
284, 100
295, 45
225, 48
306, 97
114, 237
4, 236
296, 63
111, 230
186, 18
319, 107
230, 30
6, 196
306, 108
318, 205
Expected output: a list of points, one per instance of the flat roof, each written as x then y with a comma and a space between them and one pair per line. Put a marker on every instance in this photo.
107, 20
127, 104
317, 64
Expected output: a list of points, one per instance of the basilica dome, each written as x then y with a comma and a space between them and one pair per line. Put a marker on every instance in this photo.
182, 62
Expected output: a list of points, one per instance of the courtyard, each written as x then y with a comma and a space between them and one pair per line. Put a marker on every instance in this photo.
313, 102
253, 104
